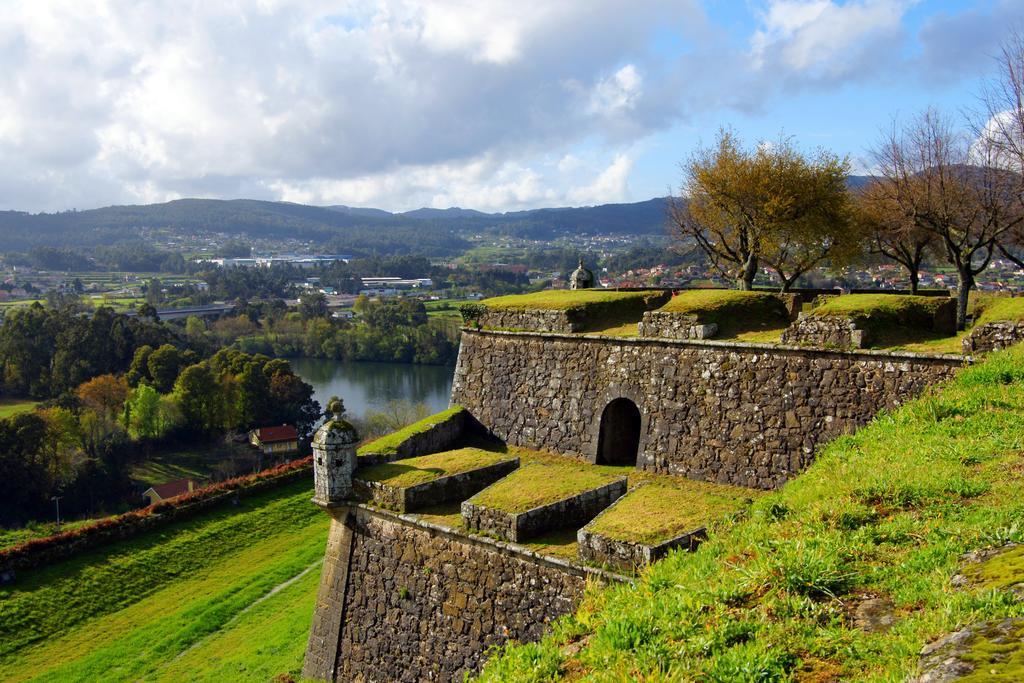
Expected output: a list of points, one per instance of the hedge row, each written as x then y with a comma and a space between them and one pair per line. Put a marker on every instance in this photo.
42, 551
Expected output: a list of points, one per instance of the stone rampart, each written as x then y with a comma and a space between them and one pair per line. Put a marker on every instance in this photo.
828, 331
744, 414
405, 600
994, 336
669, 325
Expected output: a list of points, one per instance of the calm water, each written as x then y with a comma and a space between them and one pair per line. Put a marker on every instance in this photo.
369, 386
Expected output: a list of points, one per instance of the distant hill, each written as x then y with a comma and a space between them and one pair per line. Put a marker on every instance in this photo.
340, 228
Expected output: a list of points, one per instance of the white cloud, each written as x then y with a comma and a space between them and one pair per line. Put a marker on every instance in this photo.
826, 39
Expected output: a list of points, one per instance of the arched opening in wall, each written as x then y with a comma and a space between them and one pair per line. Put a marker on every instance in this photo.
619, 438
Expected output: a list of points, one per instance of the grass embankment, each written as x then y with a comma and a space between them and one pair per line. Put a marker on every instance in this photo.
226, 595
733, 311
894, 321
389, 443
598, 309
887, 511
10, 407
995, 309
426, 468
658, 512
540, 484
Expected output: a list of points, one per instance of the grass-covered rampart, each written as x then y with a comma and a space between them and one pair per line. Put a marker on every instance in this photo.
732, 311
997, 309
426, 468
389, 443
771, 596
877, 312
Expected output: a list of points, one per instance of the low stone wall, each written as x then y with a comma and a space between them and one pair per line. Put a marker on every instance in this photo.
529, 321
404, 600
443, 436
994, 336
737, 413
442, 490
668, 325
520, 526
825, 331
628, 556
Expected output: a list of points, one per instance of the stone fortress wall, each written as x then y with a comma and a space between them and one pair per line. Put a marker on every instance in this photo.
744, 414
404, 600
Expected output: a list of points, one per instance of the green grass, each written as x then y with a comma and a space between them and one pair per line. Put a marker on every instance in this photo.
9, 408
389, 443
659, 512
12, 537
427, 468
887, 511
563, 299
195, 600
199, 461
593, 309
993, 309
538, 484
733, 311
894, 321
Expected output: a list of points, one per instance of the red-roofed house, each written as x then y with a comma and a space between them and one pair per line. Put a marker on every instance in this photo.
169, 490
275, 440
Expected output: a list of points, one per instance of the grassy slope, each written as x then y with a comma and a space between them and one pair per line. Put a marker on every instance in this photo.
389, 443
732, 310
887, 511
538, 484
561, 299
993, 309
426, 468
658, 512
13, 407
186, 598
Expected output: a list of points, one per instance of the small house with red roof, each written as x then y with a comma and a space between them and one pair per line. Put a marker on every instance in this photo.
275, 440
169, 490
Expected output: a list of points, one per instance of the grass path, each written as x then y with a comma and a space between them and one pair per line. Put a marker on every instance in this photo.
228, 596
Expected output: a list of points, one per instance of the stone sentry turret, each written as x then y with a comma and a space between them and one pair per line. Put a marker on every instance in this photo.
581, 278
334, 458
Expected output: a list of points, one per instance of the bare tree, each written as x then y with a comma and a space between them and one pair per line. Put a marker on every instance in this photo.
889, 232
999, 129
966, 206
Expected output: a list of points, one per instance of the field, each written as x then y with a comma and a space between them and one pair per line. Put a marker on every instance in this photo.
227, 595
13, 407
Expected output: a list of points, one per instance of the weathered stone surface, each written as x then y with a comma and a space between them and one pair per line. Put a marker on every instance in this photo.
744, 414
669, 325
827, 331
520, 526
994, 336
424, 603
442, 490
530, 321
948, 659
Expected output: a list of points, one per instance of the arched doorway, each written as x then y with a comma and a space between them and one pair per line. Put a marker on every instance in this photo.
619, 438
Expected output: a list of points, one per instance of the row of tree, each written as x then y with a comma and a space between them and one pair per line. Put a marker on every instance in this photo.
939, 191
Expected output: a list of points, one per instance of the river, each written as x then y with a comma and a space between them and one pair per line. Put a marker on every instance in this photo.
369, 386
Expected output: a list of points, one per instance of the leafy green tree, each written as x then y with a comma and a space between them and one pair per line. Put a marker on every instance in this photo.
143, 414
200, 397
138, 372
164, 364
313, 305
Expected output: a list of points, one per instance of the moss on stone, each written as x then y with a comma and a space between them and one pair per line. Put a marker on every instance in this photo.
998, 572
538, 484
388, 444
997, 653
658, 512
427, 468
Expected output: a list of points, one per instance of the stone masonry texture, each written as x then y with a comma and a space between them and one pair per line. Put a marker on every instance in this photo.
744, 414
423, 604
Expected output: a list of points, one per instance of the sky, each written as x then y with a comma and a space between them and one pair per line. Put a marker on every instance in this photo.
486, 104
